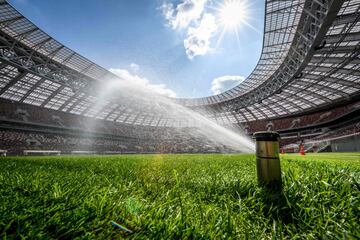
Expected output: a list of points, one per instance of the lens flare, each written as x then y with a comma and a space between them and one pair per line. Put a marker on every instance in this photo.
233, 13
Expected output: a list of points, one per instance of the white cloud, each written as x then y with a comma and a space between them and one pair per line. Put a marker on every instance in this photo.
221, 84
191, 16
135, 67
168, 10
143, 83
198, 38
185, 13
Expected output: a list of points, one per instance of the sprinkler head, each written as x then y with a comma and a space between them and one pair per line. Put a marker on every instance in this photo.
267, 159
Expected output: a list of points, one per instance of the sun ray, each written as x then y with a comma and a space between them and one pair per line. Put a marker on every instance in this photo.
252, 27
218, 42
238, 39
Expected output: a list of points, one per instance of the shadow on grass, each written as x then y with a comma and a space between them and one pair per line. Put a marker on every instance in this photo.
278, 205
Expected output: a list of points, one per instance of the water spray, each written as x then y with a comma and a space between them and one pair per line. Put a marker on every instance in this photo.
136, 98
267, 159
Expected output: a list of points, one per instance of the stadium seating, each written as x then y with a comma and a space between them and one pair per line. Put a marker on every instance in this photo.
118, 137
320, 141
305, 120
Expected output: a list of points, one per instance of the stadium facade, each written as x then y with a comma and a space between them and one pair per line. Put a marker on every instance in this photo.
306, 85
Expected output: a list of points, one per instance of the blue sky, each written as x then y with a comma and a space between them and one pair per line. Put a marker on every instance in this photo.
171, 45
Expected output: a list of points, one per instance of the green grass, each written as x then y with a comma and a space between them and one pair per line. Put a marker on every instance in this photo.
178, 197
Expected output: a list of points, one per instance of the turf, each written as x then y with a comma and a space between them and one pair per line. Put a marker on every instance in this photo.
178, 197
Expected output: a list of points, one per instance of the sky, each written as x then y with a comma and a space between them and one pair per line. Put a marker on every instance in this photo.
182, 48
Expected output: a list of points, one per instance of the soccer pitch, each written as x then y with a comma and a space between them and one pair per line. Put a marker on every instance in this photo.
178, 196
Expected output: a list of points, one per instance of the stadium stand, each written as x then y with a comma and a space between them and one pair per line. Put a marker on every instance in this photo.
323, 141
303, 120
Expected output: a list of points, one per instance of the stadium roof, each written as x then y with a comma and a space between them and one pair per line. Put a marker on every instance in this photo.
310, 59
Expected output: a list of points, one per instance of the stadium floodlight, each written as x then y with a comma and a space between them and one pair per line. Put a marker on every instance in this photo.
267, 159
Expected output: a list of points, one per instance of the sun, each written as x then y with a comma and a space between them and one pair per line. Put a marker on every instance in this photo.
232, 13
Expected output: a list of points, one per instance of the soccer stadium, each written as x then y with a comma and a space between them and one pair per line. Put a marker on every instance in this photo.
88, 154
